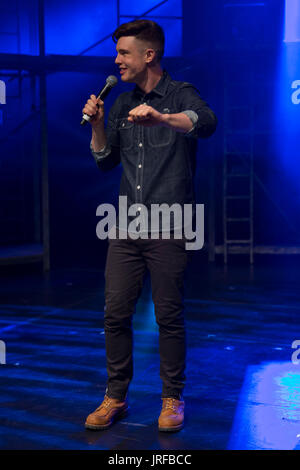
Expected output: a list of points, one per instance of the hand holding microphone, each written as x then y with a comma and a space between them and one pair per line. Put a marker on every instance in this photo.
93, 110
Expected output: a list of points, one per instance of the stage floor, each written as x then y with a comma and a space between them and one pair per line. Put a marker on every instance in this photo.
243, 384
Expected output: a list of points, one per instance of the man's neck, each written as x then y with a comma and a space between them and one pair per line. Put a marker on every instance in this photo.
151, 78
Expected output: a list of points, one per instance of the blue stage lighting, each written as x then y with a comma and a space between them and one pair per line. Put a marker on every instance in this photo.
267, 414
287, 104
72, 27
292, 21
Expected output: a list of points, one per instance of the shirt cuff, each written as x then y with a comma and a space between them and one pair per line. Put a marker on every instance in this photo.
193, 117
101, 153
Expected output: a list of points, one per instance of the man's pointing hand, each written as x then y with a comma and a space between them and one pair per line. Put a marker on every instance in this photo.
145, 115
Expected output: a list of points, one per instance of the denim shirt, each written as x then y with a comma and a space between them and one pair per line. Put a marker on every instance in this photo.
158, 162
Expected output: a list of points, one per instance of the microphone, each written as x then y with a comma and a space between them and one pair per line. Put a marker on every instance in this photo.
111, 81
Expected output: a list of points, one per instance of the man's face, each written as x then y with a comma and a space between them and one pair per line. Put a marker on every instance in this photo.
131, 58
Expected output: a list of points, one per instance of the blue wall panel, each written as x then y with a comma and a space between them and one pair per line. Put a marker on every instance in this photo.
169, 7
72, 26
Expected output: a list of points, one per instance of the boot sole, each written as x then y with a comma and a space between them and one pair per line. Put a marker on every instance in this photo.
172, 428
98, 427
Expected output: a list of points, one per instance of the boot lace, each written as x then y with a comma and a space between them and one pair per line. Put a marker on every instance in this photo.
106, 403
169, 404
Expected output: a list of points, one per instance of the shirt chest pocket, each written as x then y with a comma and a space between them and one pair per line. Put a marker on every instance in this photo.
126, 133
159, 136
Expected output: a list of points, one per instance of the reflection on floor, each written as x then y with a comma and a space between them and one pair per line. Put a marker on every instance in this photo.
242, 390
268, 412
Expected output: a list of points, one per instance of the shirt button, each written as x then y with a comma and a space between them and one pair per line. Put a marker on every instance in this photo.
138, 187
140, 166
140, 144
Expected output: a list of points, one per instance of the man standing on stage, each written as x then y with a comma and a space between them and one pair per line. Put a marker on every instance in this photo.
153, 131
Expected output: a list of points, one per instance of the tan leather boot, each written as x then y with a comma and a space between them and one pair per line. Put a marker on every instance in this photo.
110, 410
172, 415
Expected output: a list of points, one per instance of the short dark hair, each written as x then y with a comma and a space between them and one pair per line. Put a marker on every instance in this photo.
145, 30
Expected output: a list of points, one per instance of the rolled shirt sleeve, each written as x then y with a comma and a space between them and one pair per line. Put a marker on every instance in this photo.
203, 118
109, 156
193, 117
103, 153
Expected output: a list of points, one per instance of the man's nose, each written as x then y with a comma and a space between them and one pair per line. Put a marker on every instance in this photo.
117, 60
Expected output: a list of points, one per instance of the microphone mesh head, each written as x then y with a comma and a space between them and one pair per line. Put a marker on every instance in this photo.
112, 80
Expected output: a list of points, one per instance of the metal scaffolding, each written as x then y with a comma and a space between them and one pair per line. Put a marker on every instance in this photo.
240, 181
12, 68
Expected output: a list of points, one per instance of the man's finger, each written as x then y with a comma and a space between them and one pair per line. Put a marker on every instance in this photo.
138, 109
142, 117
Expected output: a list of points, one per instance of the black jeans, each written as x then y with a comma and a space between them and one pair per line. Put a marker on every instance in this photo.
126, 264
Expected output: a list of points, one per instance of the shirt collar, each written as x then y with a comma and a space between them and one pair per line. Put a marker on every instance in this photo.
161, 87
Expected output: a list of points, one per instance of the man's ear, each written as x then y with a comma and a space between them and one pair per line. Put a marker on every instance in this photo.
150, 55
